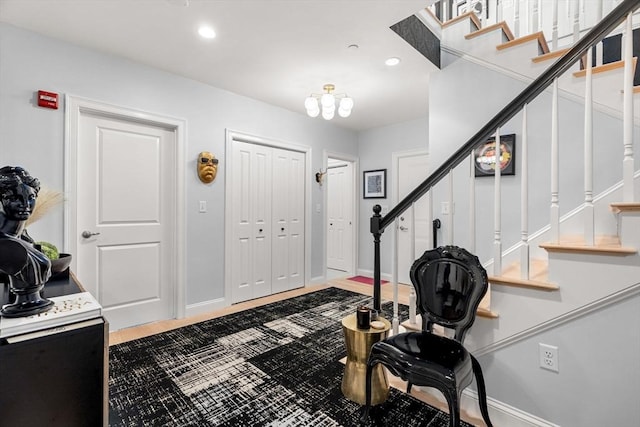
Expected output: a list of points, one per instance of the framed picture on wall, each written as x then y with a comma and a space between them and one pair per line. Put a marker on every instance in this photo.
375, 184
484, 156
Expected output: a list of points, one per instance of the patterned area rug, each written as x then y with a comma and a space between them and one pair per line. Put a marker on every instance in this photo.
276, 365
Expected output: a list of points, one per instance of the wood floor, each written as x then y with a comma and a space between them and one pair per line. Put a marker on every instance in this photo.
129, 334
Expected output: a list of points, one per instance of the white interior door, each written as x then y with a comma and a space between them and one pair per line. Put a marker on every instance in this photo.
125, 218
288, 220
412, 170
251, 216
340, 217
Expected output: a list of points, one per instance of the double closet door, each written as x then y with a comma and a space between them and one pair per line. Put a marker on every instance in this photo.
268, 220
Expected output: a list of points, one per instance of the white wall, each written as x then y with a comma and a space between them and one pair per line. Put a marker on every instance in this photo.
598, 383
33, 137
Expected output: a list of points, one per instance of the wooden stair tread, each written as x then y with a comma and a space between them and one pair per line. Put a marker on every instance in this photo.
605, 245
603, 68
625, 206
499, 26
636, 89
538, 270
539, 36
471, 15
549, 55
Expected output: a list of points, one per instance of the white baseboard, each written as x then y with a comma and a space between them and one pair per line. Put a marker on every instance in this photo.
318, 280
500, 413
206, 306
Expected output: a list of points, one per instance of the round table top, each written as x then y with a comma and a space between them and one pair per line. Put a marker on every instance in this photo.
350, 323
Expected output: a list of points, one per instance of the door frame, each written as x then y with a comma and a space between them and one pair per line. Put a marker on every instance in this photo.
230, 136
355, 209
76, 106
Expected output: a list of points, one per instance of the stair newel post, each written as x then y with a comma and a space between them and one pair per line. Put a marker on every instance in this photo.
628, 169
589, 221
375, 230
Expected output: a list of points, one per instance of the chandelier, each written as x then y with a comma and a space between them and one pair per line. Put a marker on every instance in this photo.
327, 103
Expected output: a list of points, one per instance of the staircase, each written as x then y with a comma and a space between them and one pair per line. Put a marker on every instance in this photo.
585, 258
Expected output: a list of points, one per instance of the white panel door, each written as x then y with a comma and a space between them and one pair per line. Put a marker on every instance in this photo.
412, 170
251, 183
125, 199
287, 258
340, 217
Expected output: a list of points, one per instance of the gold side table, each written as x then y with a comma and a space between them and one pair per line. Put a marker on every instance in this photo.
358, 343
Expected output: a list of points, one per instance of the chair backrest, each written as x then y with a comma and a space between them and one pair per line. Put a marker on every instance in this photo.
449, 283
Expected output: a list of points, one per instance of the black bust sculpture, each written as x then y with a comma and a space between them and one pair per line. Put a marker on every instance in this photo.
27, 268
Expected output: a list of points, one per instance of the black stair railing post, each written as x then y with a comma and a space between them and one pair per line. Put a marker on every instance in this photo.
375, 230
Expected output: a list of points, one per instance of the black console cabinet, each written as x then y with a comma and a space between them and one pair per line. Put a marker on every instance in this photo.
56, 377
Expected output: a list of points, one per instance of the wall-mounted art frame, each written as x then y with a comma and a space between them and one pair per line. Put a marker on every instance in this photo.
374, 184
484, 158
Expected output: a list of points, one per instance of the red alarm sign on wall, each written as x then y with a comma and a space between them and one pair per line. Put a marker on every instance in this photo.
47, 99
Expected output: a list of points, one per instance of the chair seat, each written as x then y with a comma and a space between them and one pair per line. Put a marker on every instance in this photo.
420, 357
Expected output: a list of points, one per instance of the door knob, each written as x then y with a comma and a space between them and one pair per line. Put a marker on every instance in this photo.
282, 229
260, 231
86, 234
402, 228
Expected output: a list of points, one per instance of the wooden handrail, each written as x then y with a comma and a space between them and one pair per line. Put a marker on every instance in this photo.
379, 223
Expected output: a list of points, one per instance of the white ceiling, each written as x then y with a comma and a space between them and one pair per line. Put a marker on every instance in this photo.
276, 51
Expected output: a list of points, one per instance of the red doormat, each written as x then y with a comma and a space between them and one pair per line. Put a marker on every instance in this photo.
367, 280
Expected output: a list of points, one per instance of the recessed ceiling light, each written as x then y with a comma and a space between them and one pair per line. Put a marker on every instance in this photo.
206, 32
392, 61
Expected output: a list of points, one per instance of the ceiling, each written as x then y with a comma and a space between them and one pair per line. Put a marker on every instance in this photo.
276, 51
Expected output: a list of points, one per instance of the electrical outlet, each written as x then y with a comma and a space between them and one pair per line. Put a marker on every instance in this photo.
444, 208
548, 357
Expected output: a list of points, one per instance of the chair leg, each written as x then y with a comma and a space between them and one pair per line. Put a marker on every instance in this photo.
482, 394
454, 408
365, 413
409, 387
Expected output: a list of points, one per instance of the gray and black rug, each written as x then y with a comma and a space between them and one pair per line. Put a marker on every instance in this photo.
276, 365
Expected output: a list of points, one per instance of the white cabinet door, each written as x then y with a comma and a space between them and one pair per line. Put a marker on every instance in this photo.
251, 183
288, 220
268, 220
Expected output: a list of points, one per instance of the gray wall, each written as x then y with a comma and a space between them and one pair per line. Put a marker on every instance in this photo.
33, 137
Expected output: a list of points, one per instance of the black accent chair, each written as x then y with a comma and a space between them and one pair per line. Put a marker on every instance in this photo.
449, 283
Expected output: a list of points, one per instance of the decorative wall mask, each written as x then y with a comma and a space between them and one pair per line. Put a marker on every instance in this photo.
207, 167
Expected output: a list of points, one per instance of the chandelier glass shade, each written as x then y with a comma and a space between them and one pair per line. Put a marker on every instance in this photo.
326, 103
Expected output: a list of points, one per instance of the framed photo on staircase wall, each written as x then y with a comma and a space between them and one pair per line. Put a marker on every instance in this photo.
484, 156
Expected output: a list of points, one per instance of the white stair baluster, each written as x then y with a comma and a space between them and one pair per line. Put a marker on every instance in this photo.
627, 163
589, 225
497, 201
451, 209
395, 323
535, 17
516, 19
472, 205
554, 217
412, 291
554, 26
576, 20
524, 200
